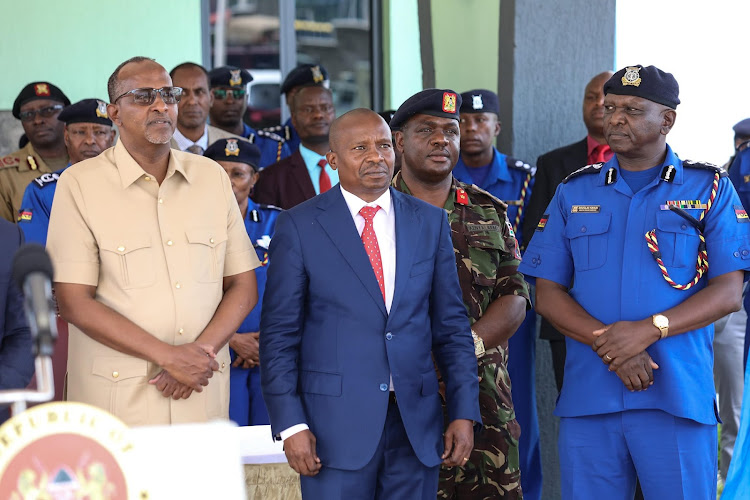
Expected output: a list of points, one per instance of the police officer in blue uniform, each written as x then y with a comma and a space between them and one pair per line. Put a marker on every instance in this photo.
511, 180
241, 160
88, 131
229, 87
304, 75
739, 174
634, 260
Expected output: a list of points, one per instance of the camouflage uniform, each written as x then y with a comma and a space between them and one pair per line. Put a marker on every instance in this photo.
487, 262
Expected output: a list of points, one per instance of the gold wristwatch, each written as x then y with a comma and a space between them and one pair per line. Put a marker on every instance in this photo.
478, 344
662, 323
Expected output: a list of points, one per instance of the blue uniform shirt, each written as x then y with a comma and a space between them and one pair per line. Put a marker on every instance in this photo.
593, 235
271, 150
291, 136
504, 180
259, 223
36, 207
739, 174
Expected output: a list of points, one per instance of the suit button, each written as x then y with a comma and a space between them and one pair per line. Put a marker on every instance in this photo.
181, 331
383, 387
744, 253
388, 336
736, 254
683, 227
583, 229
115, 374
170, 243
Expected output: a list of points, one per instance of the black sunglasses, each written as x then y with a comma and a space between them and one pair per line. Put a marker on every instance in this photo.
147, 96
27, 116
221, 94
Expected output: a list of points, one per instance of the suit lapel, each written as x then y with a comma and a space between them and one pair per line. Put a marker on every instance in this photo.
301, 176
407, 238
336, 221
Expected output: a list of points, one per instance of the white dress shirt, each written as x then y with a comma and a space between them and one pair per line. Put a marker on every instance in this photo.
184, 143
384, 224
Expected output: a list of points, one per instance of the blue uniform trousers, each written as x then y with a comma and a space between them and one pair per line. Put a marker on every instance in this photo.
600, 455
246, 406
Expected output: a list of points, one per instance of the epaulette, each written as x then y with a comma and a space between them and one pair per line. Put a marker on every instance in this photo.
270, 207
46, 179
250, 138
594, 168
9, 161
474, 189
270, 135
282, 131
520, 165
705, 166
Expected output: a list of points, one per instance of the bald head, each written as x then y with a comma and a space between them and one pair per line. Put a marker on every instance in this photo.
344, 122
362, 152
593, 105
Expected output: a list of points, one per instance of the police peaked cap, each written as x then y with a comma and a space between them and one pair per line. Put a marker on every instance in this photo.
305, 75
229, 76
649, 83
38, 90
444, 103
236, 150
480, 101
86, 111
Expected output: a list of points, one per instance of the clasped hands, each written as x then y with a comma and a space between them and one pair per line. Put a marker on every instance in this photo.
622, 345
186, 368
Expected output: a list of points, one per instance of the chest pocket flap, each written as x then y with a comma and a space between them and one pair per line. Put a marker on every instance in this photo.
130, 257
588, 235
678, 239
207, 247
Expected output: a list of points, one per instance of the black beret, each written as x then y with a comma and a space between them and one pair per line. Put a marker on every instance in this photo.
235, 150
305, 74
480, 101
436, 102
86, 111
38, 90
649, 83
742, 128
229, 76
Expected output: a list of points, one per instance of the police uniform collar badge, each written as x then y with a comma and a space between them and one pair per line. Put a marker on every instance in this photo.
632, 76
667, 173
449, 102
317, 74
101, 109
461, 197
32, 162
235, 78
42, 89
232, 148
476, 101
611, 176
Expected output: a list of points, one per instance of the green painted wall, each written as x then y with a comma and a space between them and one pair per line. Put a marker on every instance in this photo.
465, 36
76, 44
402, 61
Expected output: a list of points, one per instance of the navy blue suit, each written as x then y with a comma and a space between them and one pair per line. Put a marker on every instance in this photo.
16, 361
328, 345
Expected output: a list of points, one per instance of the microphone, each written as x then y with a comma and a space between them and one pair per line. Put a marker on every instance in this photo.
32, 272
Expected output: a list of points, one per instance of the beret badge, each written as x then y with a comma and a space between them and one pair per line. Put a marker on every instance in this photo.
632, 76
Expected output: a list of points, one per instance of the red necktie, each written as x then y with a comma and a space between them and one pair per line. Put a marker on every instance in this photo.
601, 153
324, 180
371, 244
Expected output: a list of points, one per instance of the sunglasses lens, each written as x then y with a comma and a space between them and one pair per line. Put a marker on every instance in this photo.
171, 95
144, 96
238, 93
220, 93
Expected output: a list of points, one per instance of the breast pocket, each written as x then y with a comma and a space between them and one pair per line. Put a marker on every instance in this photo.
207, 251
678, 239
588, 235
130, 258
486, 251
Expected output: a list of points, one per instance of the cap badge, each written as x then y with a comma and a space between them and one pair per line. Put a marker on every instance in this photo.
41, 89
476, 101
232, 148
317, 74
234, 77
101, 109
449, 102
632, 76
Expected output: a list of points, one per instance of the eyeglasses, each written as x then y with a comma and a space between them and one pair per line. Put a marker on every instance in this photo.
27, 116
147, 96
221, 94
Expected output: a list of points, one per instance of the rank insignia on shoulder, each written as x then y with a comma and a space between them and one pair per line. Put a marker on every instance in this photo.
741, 214
461, 197
588, 169
705, 166
542, 222
585, 209
24, 215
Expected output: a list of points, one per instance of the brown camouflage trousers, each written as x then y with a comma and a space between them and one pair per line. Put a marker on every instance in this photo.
492, 471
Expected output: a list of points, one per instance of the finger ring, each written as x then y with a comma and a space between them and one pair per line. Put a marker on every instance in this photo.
466, 460
607, 358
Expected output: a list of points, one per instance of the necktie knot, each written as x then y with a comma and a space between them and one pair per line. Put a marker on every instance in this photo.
324, 181
368, 213
195, 149
599, 153
322, 163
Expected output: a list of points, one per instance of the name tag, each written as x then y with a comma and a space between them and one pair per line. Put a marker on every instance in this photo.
585, 209
482, 227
